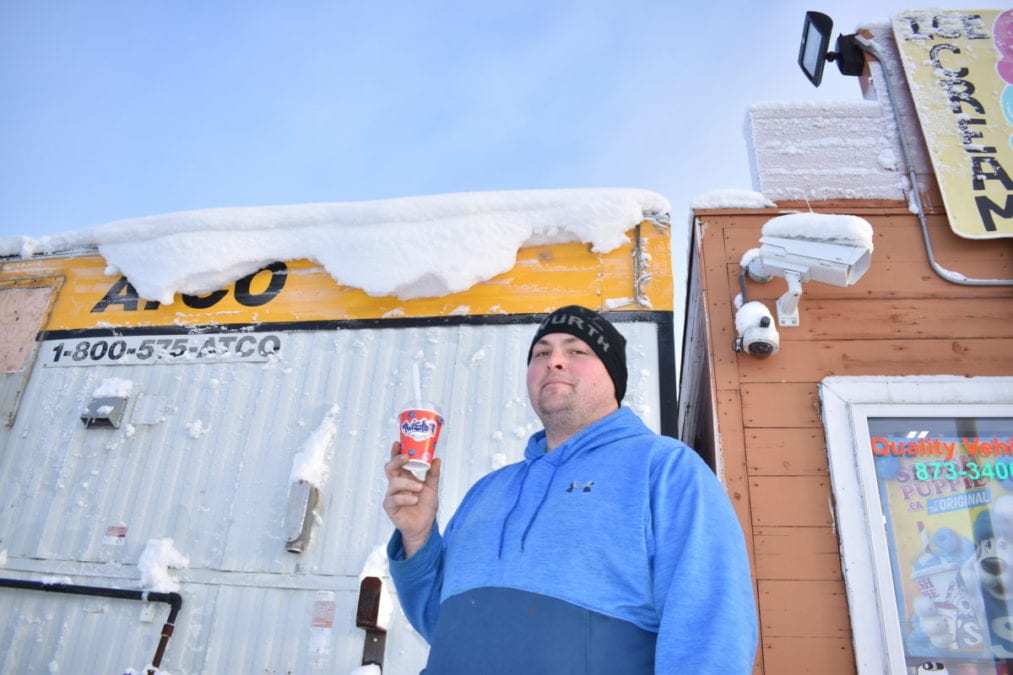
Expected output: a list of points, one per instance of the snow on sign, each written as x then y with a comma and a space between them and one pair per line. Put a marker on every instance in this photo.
959, 66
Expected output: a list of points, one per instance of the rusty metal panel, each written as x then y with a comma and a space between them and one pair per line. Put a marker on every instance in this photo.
22, 312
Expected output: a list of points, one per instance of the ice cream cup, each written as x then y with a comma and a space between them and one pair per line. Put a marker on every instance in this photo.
419, 428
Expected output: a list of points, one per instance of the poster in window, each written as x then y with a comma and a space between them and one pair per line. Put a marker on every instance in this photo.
948, 506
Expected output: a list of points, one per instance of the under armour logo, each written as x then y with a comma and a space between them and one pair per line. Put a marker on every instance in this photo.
586, 487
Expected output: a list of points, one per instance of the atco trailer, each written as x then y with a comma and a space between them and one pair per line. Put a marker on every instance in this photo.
196, 486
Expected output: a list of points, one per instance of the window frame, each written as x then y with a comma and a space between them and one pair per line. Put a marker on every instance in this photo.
846, 404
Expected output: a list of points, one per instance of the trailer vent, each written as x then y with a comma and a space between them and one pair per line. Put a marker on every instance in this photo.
104, 412
302, 500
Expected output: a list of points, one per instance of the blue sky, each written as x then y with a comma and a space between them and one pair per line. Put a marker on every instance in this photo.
114, 110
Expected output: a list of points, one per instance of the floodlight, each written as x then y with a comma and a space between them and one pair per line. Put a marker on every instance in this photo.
812, 55
814, 51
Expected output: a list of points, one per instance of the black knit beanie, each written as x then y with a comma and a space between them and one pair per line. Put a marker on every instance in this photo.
600, 335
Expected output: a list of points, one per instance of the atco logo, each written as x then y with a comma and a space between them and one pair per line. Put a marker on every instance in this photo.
124, 294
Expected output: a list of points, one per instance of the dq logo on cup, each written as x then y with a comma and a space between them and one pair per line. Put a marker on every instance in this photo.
420, 430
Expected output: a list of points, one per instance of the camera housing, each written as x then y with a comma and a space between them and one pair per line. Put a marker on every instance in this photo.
801, 247
829, 262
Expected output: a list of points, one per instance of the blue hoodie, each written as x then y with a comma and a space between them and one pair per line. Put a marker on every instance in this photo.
617, 552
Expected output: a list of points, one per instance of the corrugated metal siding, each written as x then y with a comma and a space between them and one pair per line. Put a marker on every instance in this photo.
48, 633
213, 475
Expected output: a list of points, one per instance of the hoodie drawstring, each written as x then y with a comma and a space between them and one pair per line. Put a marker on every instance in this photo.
538, 509
517, 501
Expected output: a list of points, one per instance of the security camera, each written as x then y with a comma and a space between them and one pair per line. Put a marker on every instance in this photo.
801, 247
839, 264
756, 332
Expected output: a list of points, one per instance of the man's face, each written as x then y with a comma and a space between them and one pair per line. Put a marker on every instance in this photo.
566, 378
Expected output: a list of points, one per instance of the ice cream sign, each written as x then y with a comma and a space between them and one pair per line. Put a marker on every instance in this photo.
959, 67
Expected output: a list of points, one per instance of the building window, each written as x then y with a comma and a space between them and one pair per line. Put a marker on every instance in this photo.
922, 473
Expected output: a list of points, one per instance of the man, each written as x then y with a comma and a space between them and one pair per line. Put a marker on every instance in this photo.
609, 549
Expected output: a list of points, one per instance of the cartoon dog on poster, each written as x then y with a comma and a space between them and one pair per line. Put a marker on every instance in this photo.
988, 575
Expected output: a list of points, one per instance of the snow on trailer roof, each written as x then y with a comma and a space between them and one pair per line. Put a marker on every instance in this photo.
410, 247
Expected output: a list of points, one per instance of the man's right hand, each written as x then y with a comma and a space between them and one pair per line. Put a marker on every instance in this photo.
410, 503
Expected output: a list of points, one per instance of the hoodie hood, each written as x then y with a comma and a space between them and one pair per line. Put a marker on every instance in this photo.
614, 427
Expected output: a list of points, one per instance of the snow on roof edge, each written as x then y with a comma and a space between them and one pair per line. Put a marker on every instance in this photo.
732, 199
411, 247
808, 105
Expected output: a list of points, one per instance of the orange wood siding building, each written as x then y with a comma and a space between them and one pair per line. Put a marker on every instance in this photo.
900, 319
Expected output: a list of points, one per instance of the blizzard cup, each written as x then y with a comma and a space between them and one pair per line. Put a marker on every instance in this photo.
419, 428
